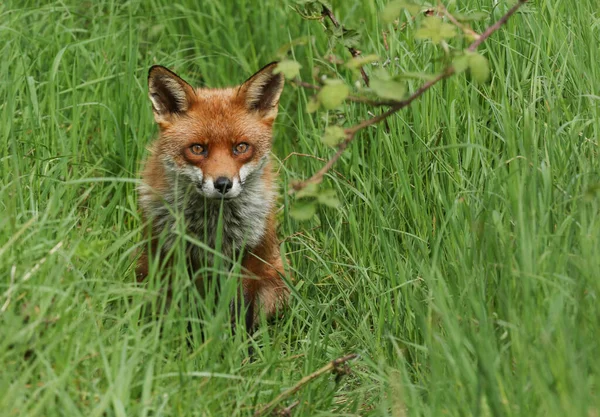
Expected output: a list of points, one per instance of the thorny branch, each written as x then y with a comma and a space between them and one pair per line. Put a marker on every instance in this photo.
395, 105
336, 365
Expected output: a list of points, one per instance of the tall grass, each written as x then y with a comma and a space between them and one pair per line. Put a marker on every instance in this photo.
463, 265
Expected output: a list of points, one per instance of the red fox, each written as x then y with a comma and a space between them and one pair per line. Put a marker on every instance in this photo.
212, 158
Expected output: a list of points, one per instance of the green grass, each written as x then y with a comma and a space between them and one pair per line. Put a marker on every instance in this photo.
463, 265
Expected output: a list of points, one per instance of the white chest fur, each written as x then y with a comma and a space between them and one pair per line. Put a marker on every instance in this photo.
237, 223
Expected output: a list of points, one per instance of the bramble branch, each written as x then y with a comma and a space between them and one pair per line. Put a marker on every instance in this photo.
334, 365
350, 132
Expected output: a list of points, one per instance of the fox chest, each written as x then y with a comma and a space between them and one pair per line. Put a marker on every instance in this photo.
216, 227
225, 229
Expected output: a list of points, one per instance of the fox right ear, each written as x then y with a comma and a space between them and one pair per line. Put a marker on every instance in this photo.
261, 92
170, 95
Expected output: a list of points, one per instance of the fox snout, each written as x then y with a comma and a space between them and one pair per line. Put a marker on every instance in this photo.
214, 183
221, 187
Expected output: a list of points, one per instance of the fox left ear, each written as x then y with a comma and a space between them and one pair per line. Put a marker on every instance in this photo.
262, 91
170, 95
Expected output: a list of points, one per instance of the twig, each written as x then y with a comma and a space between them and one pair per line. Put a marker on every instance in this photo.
351, 131
353, 51
287, 411
331, 366
306, 155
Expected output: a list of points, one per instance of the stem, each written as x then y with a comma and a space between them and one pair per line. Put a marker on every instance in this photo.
287, 411
331, 366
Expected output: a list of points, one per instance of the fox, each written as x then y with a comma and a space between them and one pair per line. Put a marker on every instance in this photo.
212, 159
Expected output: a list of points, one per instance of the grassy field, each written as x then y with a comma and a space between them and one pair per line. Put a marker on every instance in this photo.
463, 264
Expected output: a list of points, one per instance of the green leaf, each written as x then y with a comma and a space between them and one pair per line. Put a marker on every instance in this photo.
311, 190
461, 63
312, 105
311, 9
332, 31
333, 135
479, 67
393, 9
288, 68
303, 210
329, 198
382, 74
350, 38
388, 89
359, 61
333, 94
436, 29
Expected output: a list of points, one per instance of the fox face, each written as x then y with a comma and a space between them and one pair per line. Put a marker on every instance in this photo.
217, 140
212, 158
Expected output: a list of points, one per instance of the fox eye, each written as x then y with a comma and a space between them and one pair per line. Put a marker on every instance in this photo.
197, 149
241, 147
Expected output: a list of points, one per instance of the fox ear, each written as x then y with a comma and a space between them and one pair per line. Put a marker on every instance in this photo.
262, 91
170, 95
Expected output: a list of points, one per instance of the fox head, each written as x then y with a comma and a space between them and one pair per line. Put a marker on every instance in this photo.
217, 140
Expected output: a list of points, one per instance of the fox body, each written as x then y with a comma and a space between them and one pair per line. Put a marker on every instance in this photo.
211, 163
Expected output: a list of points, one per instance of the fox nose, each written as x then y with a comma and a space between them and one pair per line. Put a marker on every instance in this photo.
223, 184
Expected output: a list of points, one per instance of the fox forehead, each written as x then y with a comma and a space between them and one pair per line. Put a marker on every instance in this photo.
218, 116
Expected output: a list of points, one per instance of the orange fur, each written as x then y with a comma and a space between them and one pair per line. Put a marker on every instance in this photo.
219, 120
